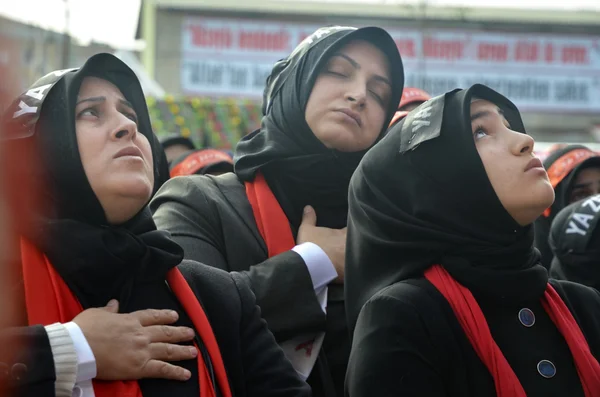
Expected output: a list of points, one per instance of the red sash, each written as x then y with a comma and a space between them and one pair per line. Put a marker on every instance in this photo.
272, 223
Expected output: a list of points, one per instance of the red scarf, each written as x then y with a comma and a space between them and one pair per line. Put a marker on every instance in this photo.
472, 321
273, 226
49, 300
272, 223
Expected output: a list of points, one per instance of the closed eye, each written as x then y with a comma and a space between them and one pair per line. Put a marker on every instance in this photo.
339, 74
377, 97
131, 116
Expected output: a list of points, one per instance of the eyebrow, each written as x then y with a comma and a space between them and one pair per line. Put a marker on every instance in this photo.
485, 113
97, 99
356, 65
584, 185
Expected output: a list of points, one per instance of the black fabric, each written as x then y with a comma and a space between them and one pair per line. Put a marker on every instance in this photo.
299, 169
421, 196
255, 365
562, 193
422, 350
575, 243
26, 362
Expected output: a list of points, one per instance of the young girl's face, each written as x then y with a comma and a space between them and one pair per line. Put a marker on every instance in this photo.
517, 176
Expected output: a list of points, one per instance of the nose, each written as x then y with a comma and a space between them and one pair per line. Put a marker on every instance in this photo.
357, 94
523, 143
124, 127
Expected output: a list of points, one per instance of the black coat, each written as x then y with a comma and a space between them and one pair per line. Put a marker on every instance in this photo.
254, 363
408, 342
211, 218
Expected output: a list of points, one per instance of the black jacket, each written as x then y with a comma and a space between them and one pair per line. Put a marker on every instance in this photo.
255, 365
211, 218
26, 363
408, 342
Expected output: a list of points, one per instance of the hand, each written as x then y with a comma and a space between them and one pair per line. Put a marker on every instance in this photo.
136, 345
332, 241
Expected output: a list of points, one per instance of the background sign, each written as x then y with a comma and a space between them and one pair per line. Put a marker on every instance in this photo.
233, 57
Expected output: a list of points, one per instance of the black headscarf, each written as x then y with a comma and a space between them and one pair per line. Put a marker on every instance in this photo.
98, 261
570, 168
575, 242
299, 169
421, 196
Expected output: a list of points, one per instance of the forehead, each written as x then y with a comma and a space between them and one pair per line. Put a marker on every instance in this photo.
366, 54
94, 86
479, 105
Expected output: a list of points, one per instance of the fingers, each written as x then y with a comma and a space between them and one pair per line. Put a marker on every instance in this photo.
112, 306
162, 370
170, 352
169, 334
309, 216
155, 317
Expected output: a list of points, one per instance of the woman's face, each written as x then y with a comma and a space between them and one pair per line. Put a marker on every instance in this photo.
586, 183
517, 176
116, 157
347, 107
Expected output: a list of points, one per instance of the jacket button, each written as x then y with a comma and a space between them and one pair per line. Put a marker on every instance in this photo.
546, 368
526, 317
18, 372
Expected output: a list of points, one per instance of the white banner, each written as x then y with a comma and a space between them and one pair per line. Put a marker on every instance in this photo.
233, 57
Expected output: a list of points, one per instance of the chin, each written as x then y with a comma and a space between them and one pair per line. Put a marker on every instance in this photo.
539, 199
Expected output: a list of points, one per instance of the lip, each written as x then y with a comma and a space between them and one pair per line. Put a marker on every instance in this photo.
129, 151
534, 163
352, 114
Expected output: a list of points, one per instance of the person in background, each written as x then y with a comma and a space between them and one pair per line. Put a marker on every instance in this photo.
411, 99
202, 162
175, 146
575, 242
574, 173
280, 219
444, 290
93, 240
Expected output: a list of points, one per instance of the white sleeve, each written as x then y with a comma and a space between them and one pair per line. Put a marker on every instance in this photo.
320, 267
86, 362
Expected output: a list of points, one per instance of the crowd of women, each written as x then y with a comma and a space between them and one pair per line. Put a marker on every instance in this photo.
362, 242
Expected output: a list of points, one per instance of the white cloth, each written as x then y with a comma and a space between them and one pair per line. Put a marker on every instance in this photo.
86, 362
303, 350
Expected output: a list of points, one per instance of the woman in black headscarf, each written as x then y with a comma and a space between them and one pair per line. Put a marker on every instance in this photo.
442, 269
280, 217
92, 238
575, 242
574, 172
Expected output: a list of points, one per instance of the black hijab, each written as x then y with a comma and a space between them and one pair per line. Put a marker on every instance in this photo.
299, 169
569, 160
575, 242
98, 261
421, 196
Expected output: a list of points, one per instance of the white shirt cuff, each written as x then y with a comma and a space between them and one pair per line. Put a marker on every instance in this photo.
86, 362
320, 267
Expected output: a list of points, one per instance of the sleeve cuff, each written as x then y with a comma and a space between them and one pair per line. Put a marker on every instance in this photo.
86, 362
320, 267
65, 358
